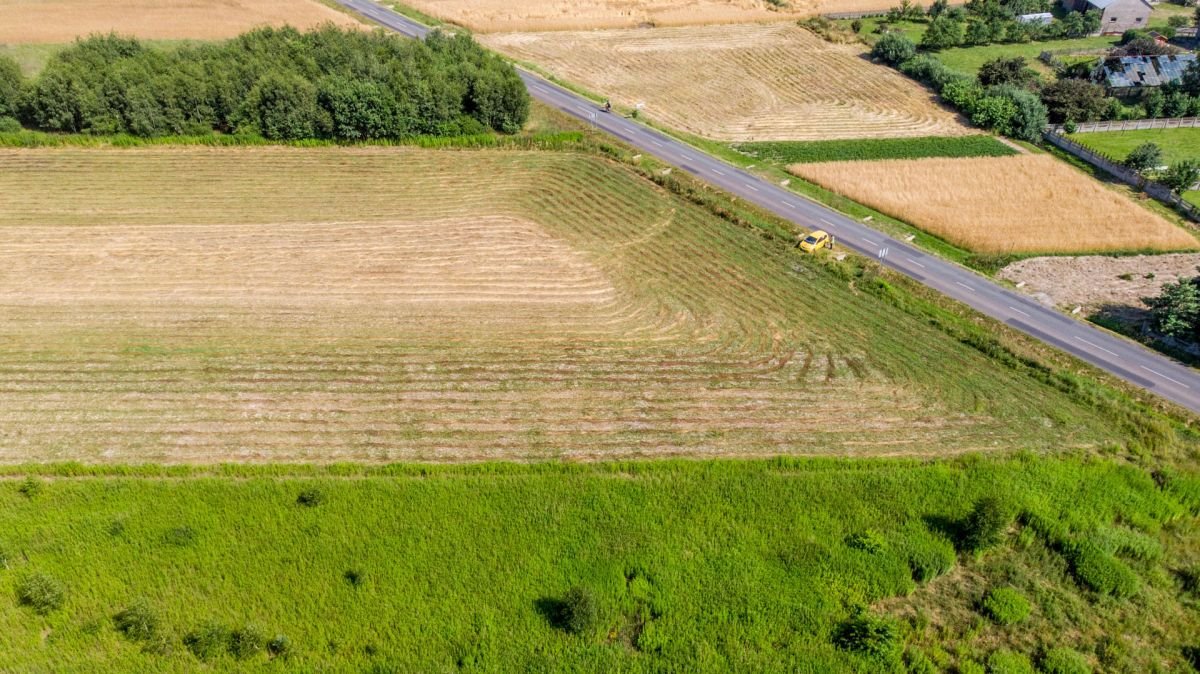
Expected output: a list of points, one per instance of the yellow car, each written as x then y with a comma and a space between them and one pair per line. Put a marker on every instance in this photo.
815, 241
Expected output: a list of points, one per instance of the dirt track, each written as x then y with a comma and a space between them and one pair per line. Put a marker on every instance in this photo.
55, 21
740, 82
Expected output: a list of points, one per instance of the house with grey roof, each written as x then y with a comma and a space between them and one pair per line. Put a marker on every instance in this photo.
1129, 72
1116, 16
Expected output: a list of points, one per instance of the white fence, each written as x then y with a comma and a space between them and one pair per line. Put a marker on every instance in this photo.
1137, 124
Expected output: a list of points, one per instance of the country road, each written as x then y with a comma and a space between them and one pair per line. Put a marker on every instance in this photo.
1119, 356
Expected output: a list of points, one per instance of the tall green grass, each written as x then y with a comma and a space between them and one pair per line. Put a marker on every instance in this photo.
691, 566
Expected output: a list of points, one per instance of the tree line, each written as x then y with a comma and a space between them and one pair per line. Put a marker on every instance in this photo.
982, 22
279, 83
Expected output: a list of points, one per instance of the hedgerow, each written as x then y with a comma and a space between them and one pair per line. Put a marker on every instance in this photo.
791, 152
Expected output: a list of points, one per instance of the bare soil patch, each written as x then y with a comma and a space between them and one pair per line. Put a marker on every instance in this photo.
56, 21
740, 82
998, 205
531, 15
1095, 282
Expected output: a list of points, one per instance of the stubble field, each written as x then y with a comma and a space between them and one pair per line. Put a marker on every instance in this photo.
1002, 205
740, 82
269, 304
526, 15
57, 21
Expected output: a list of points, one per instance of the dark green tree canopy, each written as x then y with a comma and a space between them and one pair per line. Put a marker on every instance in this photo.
283, 84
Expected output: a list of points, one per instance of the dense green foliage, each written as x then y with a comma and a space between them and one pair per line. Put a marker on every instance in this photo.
1143, 158
1012, 70
794, 152
1004, 108
1176, 310
1006, 606
330, 83
985, 526
689, 566
984, 22
10, 86
894, 48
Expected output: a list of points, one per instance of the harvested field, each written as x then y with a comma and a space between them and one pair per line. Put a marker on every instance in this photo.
488, 16
1095, 282
56, 21
267, 304
1002, 205
741, 83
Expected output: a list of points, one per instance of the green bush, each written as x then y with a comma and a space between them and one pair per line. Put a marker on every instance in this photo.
867, 541
872, 636
1004, 661
41, 593
1006, 606
246, 641
279, 647
31, 487
10, 86
208, 641
1099, 571
311, 498
985, 526
1064, 661
9, 125
137, 621
894, 48
580, 613
354, 577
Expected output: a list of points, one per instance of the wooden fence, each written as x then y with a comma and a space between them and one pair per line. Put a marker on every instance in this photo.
1114, 168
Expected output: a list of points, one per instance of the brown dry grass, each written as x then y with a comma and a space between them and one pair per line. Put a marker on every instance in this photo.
530, 15
999, 205
742, 82
282, 304
54, 21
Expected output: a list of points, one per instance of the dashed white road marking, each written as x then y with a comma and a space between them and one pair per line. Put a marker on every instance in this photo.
1019, 311
871, 242
656, 143
717, 172
1173, 381
751, 186
965, 286
686, 158
915, 262
1095, 346
789, 204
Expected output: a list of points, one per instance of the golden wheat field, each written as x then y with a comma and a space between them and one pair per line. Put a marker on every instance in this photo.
196, 305
998, 205
53, 21
741, 82
536, 15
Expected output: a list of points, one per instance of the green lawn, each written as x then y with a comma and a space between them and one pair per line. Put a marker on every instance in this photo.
697, 567
1176, 144
969, 59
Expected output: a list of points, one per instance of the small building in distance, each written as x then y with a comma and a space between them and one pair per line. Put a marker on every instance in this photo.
1116, 16
1129, 72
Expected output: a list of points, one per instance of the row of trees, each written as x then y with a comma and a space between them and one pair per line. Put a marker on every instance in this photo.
1147, 160
997, 104
982, 22
280, 83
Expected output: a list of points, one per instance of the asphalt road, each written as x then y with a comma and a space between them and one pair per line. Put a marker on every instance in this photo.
1121, 357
